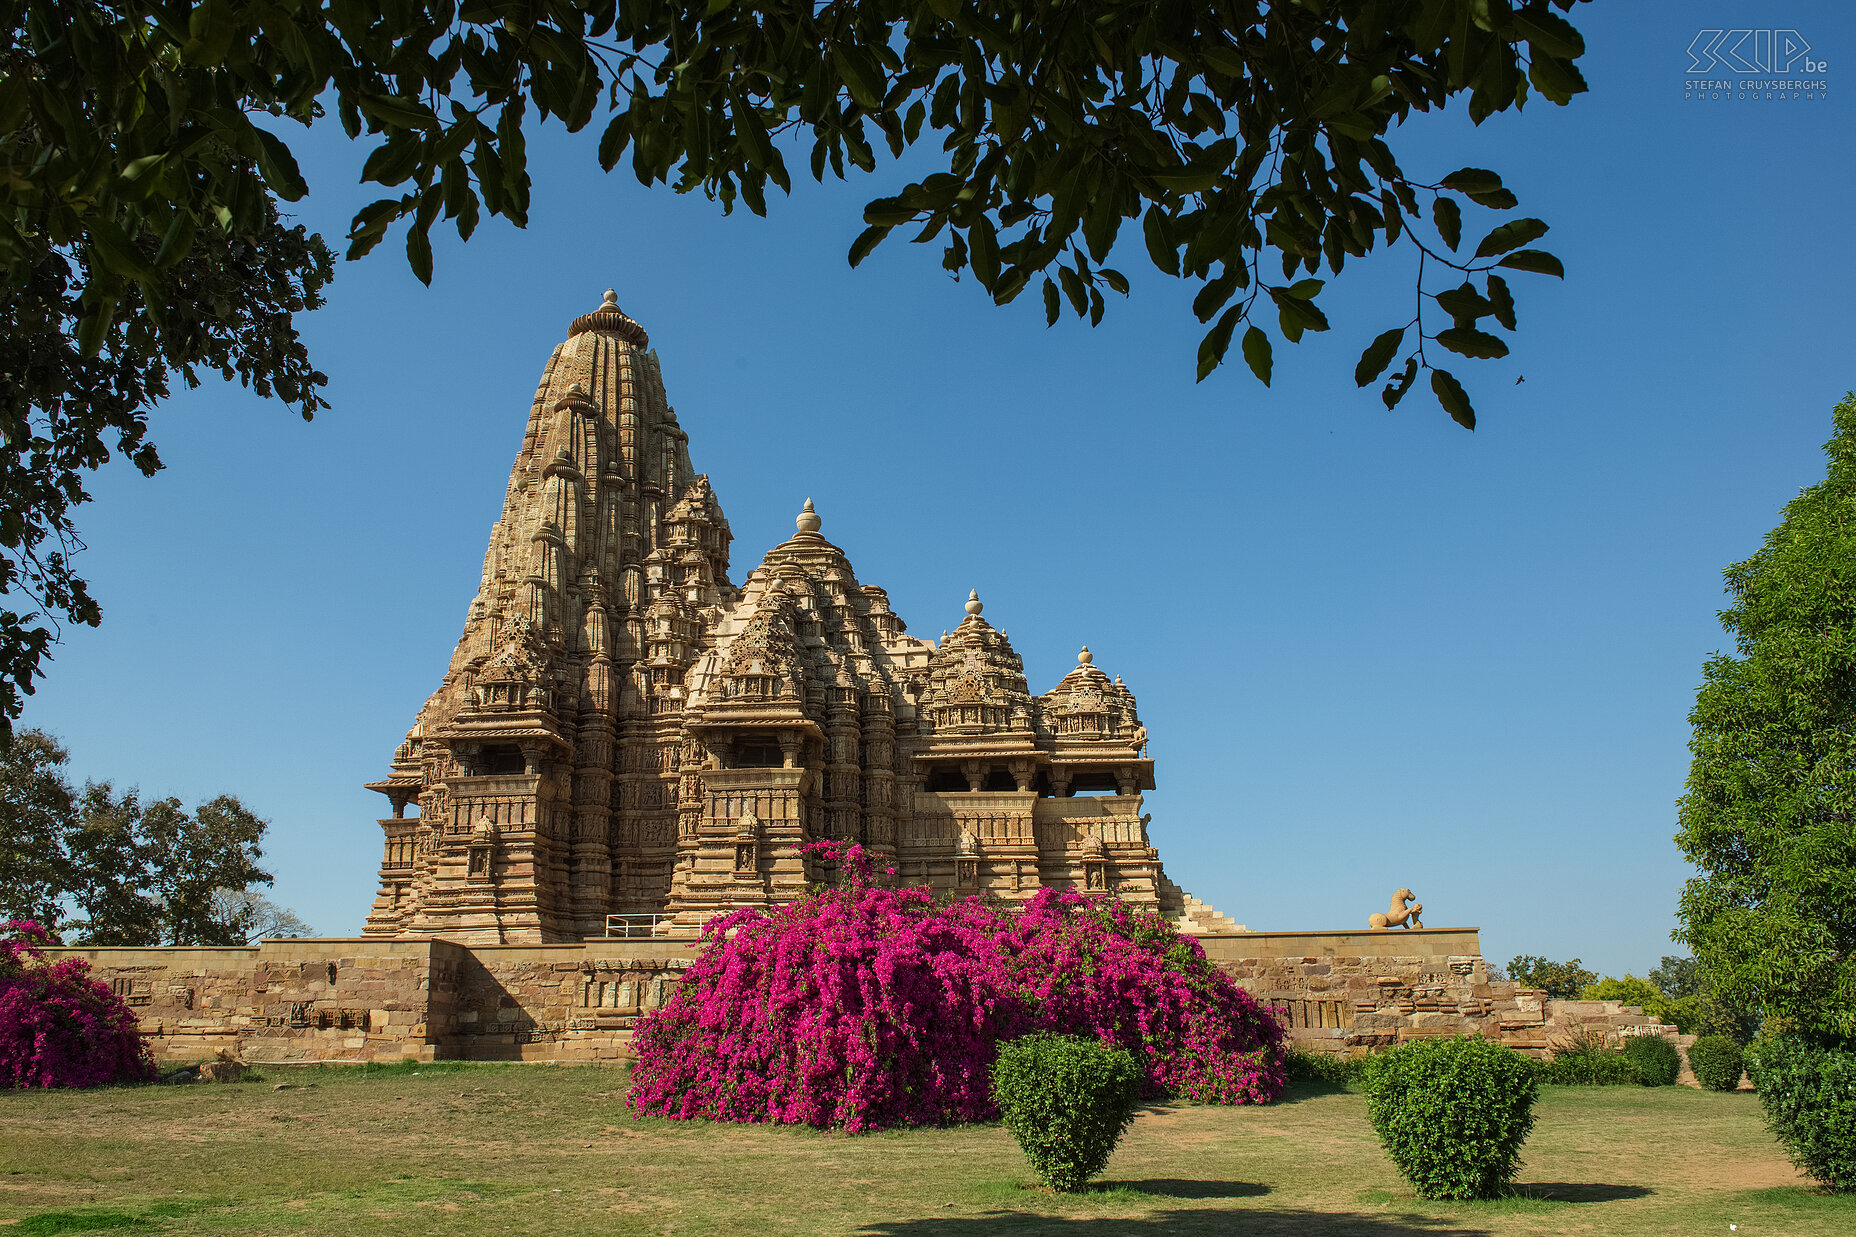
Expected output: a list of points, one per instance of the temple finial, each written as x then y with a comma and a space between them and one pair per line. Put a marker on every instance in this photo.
1085, 657
973, 602
611, 320
808, 521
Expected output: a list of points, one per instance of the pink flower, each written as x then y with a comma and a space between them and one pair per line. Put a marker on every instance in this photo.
864, 1007
59, 1027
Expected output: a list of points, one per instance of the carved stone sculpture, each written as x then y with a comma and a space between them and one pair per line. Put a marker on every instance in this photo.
1403, 913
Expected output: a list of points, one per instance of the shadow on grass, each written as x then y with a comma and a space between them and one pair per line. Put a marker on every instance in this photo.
1580, 1191
1259, 1221
1174, 1187
1312, 1089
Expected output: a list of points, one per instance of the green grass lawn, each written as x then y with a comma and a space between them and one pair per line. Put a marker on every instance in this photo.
534, 1149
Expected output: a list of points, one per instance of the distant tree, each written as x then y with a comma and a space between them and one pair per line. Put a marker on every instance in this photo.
1564, 980
256, 916
112, 870
109, 870
35, 812
1250, 142
165, 865
1631, 990
1677, 977
1769, 817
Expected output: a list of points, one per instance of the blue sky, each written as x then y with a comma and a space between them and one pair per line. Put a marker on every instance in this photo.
1372, 650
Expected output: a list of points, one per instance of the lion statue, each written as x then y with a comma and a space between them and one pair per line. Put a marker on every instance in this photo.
1403, 913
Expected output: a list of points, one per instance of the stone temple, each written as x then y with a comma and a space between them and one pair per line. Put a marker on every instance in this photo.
627, 743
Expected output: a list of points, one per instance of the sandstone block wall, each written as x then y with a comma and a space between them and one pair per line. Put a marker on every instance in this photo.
1359, 991
373, 999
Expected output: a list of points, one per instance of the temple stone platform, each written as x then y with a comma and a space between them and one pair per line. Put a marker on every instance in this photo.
374, 999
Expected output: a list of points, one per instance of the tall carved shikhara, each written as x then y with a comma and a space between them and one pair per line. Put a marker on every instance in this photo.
623, 732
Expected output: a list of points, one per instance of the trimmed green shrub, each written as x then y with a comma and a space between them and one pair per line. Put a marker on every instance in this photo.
1717, 1062
1586, 1060
1067, 1100
1653, 1059
1809, 1094
1453, 1113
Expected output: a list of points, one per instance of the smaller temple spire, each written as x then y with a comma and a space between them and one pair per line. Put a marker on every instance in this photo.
808, 521
973, 603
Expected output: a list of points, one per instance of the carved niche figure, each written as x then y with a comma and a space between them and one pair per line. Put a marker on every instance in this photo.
1403, 913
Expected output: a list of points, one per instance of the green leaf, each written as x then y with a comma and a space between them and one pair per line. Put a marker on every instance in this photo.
1451, 396
278, 166
135, 169
393, 110
1257, 354
1501, 301
984, 244
867, 240
419, 254
1218, 340
117, 252
1471, 181
1464, 304
177, 241
1449, 219
1395, 389
94, 327
1537, 261
1499, 199
862, 76
1558, 80
1296, 314
614, 140
1052, 307
1157, 227
1188, 180
1511, 235
1377, 356
1305, 289
1549, 32
1472, 343
394, 161
889, 212
751, 131
1214, 294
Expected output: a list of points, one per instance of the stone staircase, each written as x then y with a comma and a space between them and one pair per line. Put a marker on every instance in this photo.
1188, 914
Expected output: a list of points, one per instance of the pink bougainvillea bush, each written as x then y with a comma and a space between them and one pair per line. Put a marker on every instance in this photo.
59, 1027
865, 1007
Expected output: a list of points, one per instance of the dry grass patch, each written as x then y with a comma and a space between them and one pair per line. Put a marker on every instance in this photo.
547, 1150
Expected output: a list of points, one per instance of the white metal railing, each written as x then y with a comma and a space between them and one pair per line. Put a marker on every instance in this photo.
635, 927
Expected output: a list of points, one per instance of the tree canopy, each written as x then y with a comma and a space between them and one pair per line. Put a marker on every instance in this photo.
107, 868
144, 154
1564, 980
1769, 814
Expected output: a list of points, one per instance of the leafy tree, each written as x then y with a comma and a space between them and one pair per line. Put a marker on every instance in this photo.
35, 810
114, 870
1769, 816
65, 402
255, 916
165, 867
1249, 139
1632, 990
1564, 980
1677, 977
109, 873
